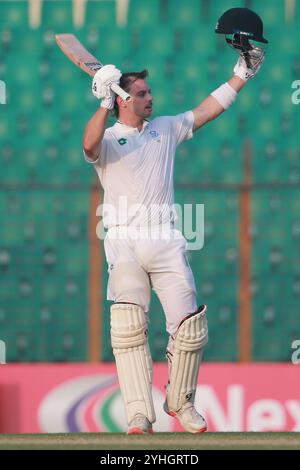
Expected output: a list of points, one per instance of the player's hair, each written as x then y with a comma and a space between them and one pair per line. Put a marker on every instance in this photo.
126, 81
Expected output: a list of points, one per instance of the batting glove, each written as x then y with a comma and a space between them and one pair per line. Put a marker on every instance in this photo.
101, 86
256, 56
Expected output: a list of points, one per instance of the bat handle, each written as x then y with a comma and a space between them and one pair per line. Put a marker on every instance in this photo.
119, 91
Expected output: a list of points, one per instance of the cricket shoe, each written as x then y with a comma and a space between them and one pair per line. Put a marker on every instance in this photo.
140, 425
188, 417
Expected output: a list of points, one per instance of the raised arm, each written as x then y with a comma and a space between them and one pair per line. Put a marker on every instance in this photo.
94, 132
101, 88
222, 98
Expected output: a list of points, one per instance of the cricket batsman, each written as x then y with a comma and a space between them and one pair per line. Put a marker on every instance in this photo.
134, 160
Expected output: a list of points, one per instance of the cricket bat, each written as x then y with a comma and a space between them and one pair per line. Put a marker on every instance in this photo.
81, 57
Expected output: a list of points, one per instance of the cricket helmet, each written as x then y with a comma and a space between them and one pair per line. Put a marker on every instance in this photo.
243, 22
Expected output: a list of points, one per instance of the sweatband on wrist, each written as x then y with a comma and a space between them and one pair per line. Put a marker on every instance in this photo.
225, 95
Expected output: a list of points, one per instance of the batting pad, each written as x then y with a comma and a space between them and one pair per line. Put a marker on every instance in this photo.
184, 354
133, 359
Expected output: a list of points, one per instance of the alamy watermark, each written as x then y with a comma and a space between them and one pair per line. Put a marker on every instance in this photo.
2, 352
296, 94
154, 221
2, 92
296, 354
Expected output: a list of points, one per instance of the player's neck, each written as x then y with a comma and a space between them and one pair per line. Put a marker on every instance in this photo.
131, 121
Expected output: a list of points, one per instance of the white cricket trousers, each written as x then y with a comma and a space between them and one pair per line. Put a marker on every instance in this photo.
138, 261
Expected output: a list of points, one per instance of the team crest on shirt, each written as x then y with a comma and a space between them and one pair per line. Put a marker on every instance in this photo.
122, 141
154, 134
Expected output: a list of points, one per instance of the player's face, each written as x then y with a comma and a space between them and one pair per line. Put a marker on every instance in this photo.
141, 101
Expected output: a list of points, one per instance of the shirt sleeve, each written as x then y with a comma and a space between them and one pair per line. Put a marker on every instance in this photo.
101, 156
182, 126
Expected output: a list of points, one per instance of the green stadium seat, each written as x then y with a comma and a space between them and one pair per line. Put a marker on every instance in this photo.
101, 14
57, 16
144, 14
49, 44
223, 334
184, 14
106, 46
156, 67
160, 43
13, 14
5, 45
267, 163
271, 339
198, 41
7, 125
272, 17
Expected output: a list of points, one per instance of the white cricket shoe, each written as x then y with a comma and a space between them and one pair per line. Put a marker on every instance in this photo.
140, 425
188, 417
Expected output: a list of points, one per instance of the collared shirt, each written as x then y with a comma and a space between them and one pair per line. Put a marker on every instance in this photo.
135, 169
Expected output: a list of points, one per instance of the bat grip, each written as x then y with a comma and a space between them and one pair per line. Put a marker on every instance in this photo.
119, 91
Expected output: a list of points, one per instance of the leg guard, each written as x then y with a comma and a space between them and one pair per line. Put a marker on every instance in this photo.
184, 354
134, 364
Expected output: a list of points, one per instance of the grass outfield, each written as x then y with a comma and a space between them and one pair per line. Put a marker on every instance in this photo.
157, 441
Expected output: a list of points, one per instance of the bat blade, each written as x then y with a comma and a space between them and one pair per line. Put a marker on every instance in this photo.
77, 53
81, 57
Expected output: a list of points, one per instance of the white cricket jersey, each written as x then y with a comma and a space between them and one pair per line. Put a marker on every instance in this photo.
135, 169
